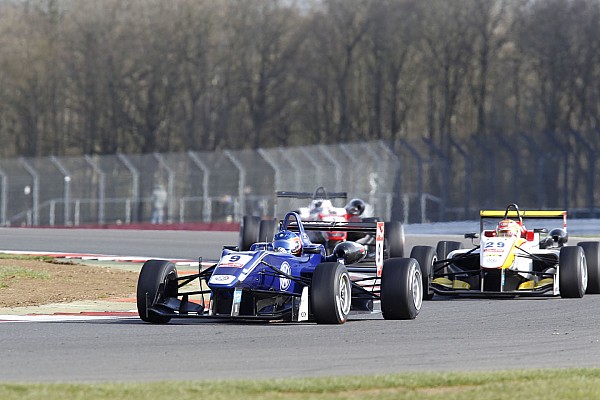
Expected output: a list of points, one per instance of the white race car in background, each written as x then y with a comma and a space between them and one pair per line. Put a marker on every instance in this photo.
525, 264
321, 208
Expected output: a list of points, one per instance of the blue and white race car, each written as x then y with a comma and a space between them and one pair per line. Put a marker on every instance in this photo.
287, 279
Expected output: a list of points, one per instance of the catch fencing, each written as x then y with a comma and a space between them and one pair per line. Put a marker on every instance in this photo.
405, 181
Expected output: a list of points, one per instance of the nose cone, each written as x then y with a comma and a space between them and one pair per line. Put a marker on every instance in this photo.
497, 252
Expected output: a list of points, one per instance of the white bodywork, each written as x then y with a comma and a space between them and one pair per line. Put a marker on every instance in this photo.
324, 212
503, 252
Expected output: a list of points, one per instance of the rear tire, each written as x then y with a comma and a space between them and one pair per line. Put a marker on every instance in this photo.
395, 240
157, 280
331, 293
266, 230
592, 259
445, 247
249, 229
401, 289
572, 272
426, 256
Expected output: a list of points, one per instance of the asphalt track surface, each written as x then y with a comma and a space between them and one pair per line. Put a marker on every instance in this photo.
448, 334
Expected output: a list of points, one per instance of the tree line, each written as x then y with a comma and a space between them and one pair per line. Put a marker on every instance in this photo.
140, 76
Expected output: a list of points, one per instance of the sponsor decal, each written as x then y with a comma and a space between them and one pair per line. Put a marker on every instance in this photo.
379, 237
234, 260
237, 299
284, 283
380, 226
231, 265
303, 305
221, 279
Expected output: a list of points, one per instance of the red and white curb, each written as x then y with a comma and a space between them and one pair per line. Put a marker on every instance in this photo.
100, 257
68, 317
85, 316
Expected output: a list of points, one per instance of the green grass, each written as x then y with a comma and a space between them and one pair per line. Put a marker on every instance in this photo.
527, 384
7, 256
9, 272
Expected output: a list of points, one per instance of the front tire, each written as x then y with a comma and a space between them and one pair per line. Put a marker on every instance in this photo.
572, 272
401, 289
331, 293
157, 280
592, 260
426, 256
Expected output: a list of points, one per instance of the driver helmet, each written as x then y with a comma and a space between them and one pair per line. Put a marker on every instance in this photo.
355, 207
508, 228
287, 242
316, 204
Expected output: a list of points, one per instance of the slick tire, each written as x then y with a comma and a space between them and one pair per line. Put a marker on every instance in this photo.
445, 247
330, 293
157, 281
592, 258
249, 230
395, 240
266, 230
572, 272
426, 256
401, 288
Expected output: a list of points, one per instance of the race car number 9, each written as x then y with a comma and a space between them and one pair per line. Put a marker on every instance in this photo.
234, 260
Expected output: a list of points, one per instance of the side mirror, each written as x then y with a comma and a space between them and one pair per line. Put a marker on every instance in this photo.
559, 235
349, 252
547, 242
312, 250
540, 230
471, 235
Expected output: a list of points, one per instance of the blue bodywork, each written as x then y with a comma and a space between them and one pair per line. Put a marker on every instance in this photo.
263, 283
256, 284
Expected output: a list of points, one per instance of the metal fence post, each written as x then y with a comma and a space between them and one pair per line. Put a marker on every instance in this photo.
468, 173
101, 190
278, 183
3, 201
591, 170
420, 183
398, 165
135, 189
170, 186
35, 191
241, 184
337, 166
298, 168
67, 190
206, 206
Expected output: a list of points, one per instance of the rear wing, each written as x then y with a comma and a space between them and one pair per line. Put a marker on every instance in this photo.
338, 226
319, 194
311, 195
377, 229
526, 214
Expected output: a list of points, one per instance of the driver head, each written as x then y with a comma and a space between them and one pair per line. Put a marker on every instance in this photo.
508, 228
287, 242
